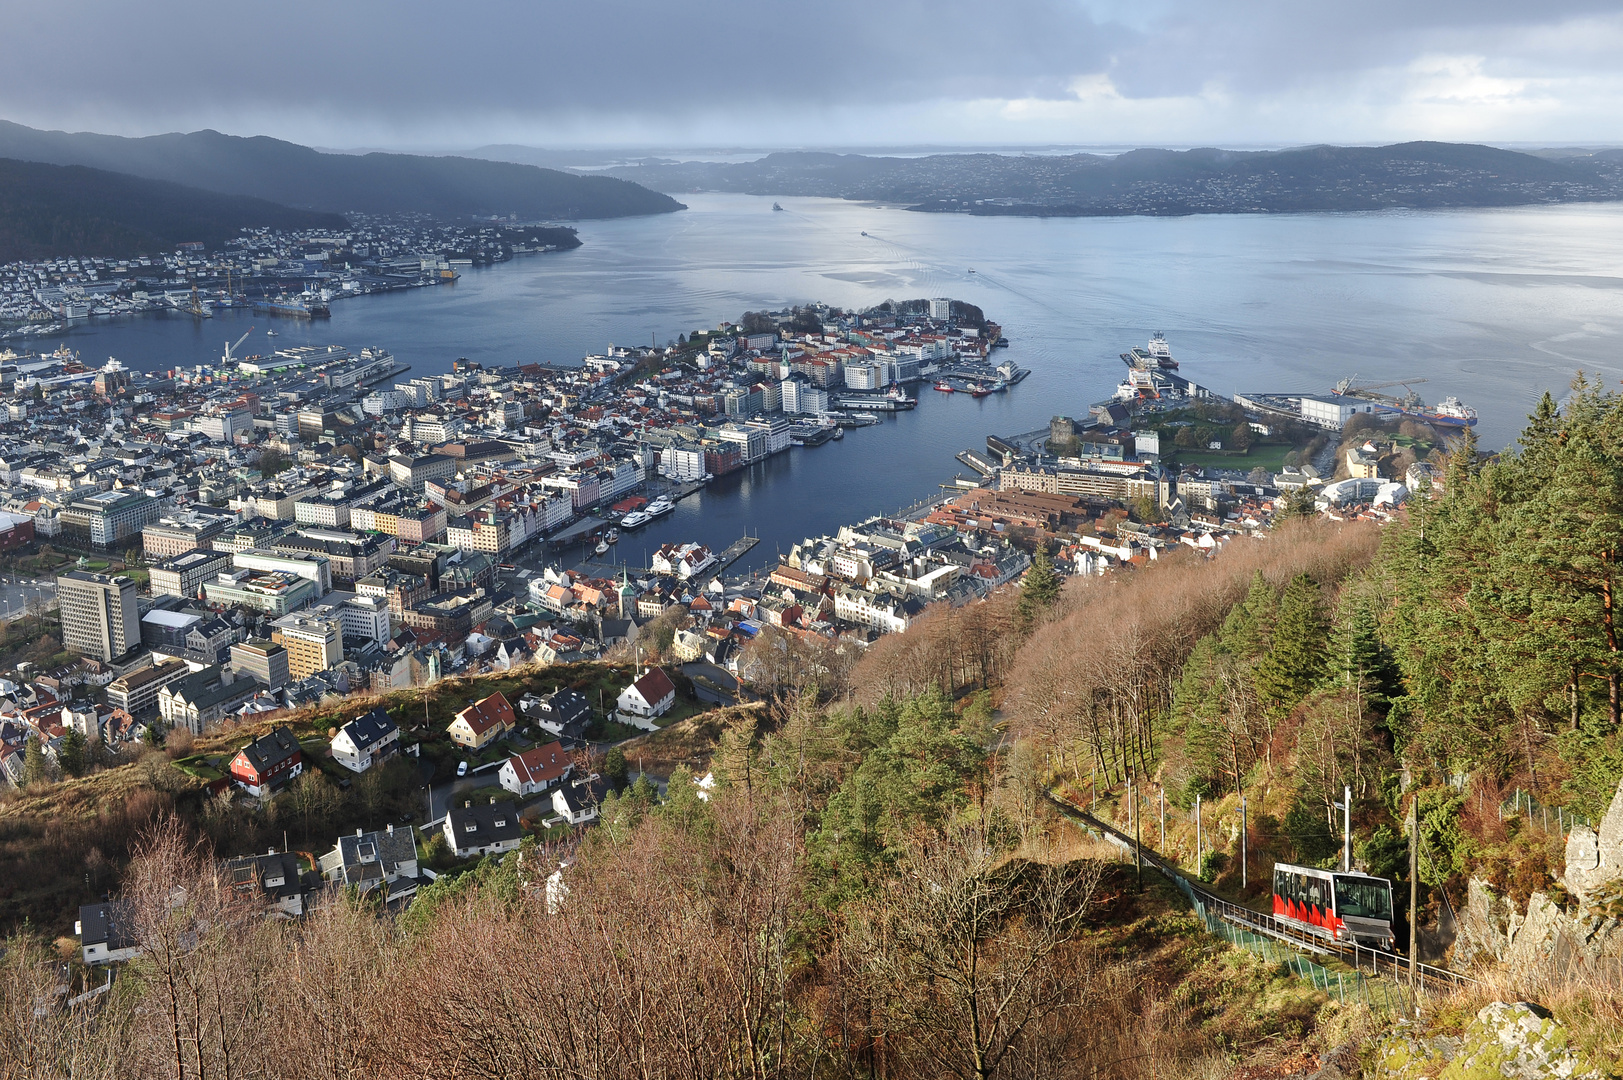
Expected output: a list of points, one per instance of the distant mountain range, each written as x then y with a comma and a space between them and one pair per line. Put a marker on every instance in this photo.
297, 176
52, 210
1165, 182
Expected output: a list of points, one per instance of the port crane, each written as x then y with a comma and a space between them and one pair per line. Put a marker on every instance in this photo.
230, 348
1348, 388
197, 309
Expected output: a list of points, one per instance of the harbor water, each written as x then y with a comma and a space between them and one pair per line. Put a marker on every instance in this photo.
1494, 306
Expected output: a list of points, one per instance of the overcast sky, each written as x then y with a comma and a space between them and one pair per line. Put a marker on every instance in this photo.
409, 74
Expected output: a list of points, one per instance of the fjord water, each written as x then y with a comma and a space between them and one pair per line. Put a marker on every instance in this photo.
1494, 306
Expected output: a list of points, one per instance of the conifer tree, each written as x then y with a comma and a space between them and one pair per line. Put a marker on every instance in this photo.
36, 770
1039, 589
1295, 659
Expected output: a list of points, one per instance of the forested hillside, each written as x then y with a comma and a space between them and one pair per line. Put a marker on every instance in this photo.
877, 884
51, 210
295, 175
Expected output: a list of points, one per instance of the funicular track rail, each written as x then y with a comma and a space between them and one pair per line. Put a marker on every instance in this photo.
1376, 962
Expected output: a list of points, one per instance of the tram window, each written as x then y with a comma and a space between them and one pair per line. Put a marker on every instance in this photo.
1314, 896
1363, 899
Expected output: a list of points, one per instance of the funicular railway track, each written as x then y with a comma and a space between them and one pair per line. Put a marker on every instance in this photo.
1374, 962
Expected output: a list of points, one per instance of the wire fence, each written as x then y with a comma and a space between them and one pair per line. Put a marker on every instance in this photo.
1380, 995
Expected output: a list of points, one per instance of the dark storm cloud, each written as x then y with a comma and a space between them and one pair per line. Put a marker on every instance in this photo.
637, 55
418, 72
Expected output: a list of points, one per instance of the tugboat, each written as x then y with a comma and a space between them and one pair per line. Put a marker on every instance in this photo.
946, 387
979, 390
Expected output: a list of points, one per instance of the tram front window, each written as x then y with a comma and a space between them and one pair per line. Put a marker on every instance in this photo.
1363, 899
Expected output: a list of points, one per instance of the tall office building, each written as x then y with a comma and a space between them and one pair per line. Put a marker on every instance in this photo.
313, 644
98, 614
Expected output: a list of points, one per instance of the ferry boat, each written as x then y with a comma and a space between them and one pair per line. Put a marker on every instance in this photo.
659, 507
634, 520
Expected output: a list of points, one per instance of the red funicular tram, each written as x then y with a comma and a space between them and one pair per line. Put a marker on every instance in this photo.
1342, 907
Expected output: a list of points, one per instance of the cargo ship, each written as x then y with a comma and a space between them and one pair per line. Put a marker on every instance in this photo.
297, 307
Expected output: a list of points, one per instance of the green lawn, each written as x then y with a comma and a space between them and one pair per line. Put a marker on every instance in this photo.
1270, 456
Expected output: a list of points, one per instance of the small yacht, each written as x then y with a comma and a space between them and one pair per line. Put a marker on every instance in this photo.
613, 536
602, 548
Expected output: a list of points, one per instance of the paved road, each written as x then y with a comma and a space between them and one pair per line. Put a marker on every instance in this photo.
16, 592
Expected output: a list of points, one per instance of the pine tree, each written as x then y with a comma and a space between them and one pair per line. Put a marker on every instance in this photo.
614, 767
72, 754
1039, 589
36, 770
1295, 659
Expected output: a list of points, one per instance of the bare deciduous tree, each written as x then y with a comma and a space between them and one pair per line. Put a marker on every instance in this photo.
964, 951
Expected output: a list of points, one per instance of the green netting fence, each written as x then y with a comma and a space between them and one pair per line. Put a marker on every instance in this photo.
1381, 995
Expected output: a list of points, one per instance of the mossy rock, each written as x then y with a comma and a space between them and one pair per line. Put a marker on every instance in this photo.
1506, 1041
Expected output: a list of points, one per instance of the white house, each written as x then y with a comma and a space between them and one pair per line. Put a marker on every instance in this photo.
106, 934
574, 802
364, 740
651, 695
684, 560
483, 829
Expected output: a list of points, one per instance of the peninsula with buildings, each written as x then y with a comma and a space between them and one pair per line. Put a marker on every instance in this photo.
269, 532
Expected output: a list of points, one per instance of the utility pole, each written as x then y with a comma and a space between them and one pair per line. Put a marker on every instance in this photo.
1138, 850
1163, 833
1199, 844
1242, 844
1345, 806
1414, 886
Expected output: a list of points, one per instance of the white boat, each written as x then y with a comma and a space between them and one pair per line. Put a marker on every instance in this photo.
659, 507
612, 536
635, 519
601, 548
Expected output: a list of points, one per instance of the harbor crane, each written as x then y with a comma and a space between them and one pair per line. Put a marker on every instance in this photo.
230, 348
1348, 388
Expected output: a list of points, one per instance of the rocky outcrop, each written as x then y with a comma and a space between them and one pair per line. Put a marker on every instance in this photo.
1505, 1042
1595, 856
1484, 926
1583, 926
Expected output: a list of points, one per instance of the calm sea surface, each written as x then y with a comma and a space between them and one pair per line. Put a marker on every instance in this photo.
1492, 306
